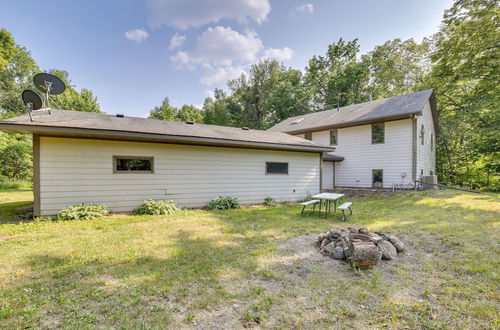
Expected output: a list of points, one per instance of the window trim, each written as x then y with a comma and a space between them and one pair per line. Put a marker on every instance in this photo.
383, 136
287, 168
150, 158
373, 176
336, 137
422, 134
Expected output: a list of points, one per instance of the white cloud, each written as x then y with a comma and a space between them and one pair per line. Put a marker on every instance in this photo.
177, 41
137, 35
305, 8
225, 54
221, 46
184, 14
281, 54
219, 76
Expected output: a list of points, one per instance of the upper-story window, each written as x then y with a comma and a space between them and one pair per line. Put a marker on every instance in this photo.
422, 134
333, 137
432, 142
308, 136
378, 133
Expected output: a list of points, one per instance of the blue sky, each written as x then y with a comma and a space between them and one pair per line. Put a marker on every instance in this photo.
132, 54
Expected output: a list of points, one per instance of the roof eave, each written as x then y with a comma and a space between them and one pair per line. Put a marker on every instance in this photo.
151, 137
354, 123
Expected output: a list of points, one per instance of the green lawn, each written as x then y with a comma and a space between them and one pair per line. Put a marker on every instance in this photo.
253, 266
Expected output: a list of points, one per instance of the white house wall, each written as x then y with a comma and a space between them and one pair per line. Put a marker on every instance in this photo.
327, 177
79, 170
394, 156
426, 157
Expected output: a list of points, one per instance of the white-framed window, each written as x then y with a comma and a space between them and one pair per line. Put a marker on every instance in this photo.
378, 178
276, 168
133, 164
333, 137
378, 133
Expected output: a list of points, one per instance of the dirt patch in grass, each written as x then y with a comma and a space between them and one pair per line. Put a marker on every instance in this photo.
298, 287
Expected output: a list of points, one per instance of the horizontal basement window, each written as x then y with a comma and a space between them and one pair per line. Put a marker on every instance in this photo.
133, 164
276, 168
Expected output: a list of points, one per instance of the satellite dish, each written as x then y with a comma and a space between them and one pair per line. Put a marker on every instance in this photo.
49, 83
31, 100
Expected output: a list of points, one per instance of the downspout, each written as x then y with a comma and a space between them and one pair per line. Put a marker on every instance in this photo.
320, 172
414, 150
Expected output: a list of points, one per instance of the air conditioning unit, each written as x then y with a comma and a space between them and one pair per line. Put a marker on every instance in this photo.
430, 179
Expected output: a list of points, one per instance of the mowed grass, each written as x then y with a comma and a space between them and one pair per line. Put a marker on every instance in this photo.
11, 200
230, 269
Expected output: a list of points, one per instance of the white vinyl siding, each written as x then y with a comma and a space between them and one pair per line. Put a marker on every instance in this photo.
426, 158
394, 156
79, 170
327, 175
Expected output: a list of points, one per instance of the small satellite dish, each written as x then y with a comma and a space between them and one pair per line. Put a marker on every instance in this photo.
49, 83
31, 99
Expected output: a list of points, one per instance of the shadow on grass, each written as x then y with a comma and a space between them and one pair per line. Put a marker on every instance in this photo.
86, 289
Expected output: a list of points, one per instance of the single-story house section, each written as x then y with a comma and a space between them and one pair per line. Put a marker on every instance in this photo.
121, 161
384, 143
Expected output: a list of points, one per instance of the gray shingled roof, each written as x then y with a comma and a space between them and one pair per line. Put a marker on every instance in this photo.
397, 107
64, 122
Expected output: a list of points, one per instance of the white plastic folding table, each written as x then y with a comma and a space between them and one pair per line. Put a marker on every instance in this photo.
328, 198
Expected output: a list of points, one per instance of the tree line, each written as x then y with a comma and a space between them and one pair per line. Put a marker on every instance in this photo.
460, 62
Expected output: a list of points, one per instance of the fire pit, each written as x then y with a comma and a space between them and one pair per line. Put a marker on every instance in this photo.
361, 248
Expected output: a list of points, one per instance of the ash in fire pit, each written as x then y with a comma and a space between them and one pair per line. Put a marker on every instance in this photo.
360, 248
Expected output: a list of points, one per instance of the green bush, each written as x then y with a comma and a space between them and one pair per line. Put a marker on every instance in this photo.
10, 184
223, 203
82, 212
269, 201
157, 207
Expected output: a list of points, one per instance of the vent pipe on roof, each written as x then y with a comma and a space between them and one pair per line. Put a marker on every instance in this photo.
338, 105
120, 115
189, 122
371, 98
245, 128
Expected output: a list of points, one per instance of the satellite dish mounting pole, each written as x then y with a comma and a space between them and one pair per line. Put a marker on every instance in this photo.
48, 88
29, 105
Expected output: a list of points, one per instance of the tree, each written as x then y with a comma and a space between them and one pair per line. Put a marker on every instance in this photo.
216, 111
396, 67
72, 99
337, 79
189, 113
268, 94
163, 112
16, 69
465, 75
15, 157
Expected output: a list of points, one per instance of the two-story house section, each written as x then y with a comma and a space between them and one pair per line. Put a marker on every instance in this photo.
377, 144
